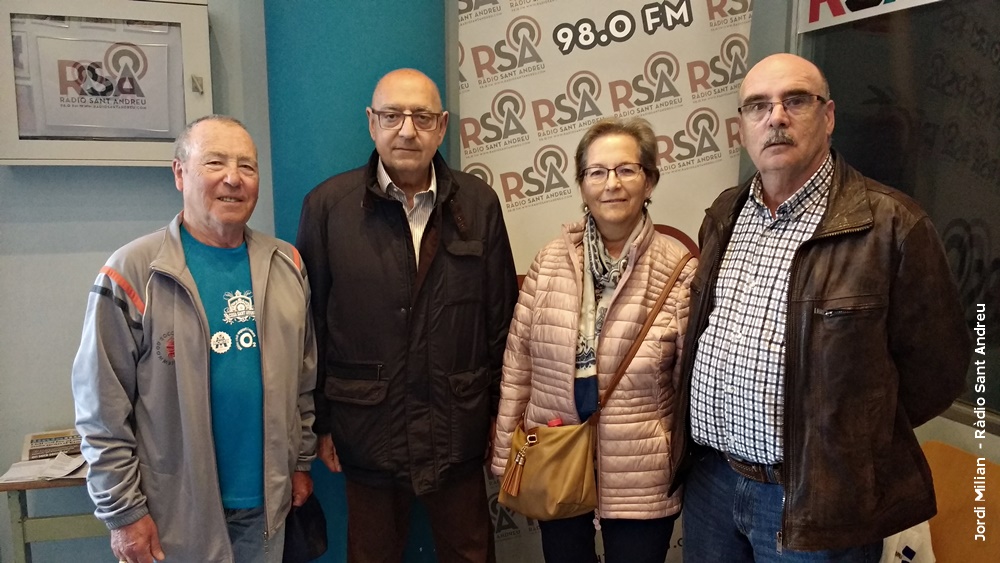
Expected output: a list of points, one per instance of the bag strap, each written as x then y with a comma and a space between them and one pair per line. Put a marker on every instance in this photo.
642, 333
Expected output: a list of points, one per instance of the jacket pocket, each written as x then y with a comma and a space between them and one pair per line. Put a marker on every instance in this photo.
850, 375
464, 276
470, 414
359, 420
851, 327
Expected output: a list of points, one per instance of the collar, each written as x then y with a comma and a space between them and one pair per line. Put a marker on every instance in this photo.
170, 255
572, 235
447, 188
810, 194
847, 208
385, 182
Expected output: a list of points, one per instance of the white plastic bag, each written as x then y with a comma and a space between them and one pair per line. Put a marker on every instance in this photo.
912, 545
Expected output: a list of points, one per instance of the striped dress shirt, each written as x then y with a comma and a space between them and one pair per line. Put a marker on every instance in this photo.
423, 204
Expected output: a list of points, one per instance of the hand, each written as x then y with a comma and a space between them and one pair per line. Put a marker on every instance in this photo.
489, 442
326, 451
302, 487
138, 542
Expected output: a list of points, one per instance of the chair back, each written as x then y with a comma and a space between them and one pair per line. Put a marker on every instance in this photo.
961, 483
681, 236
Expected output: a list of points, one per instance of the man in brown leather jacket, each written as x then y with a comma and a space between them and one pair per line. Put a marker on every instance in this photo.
825, 326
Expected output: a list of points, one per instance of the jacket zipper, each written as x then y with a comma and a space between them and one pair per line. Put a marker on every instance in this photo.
839, 312
206, 333
258, 312
597, 477
259, 321
791, 347
778, 538
632, 250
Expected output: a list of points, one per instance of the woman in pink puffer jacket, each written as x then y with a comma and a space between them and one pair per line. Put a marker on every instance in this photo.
582, 304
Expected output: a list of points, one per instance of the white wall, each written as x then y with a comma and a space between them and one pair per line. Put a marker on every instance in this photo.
57, 227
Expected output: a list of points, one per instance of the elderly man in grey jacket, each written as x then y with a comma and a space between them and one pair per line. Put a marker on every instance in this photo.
193, 383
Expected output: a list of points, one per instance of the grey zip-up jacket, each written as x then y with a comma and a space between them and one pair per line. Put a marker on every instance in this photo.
141, 387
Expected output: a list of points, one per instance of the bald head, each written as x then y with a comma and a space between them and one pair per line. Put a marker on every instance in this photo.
788, 143
407, 81
785, 66
405, 150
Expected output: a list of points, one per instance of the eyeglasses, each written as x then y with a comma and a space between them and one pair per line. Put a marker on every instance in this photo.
422, 121
795, 106
597, 175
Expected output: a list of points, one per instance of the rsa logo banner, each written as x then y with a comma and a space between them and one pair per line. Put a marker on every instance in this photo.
721, 74
817, 14
500, 128
574, 109
475, 10
704, 139
515, 56
463, 84
547, 179
651, 91
729, 13
104, 84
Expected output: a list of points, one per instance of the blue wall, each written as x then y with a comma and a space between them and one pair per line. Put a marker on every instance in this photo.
323, 60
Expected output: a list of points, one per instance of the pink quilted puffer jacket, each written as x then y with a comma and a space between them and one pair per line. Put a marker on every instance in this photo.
634, 470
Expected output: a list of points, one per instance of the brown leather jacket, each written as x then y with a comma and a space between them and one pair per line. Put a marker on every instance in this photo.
876, 345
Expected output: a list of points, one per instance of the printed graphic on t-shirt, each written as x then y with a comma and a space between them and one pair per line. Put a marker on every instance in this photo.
246, 338
221, 342
239, 309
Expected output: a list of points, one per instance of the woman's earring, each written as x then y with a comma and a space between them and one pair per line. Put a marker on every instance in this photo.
586, 209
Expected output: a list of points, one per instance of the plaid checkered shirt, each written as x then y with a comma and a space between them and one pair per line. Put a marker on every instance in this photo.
737, 388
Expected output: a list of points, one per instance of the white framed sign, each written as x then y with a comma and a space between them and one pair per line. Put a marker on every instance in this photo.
106, 82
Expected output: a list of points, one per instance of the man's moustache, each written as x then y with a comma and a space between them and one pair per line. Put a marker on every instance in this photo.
778, 138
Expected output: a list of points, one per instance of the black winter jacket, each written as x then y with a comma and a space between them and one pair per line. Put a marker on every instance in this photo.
409, 359
876, 345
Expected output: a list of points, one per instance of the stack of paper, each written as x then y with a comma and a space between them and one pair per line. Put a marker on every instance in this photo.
60, 467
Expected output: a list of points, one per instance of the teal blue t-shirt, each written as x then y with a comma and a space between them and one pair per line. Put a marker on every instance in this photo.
237, 393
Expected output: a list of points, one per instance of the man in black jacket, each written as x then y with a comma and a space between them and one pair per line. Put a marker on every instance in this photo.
413, 290
824, 327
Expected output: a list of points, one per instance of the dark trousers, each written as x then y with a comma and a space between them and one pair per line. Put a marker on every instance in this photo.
378, 522
572, 540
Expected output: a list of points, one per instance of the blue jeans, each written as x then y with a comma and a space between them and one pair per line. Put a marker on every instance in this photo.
728, 517
246, 534
572, 540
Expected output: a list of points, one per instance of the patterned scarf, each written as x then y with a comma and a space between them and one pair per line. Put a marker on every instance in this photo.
598, 287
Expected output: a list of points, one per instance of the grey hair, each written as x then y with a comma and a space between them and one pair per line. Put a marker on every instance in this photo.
181, 143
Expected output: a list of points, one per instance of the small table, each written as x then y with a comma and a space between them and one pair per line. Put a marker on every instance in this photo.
26, 530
